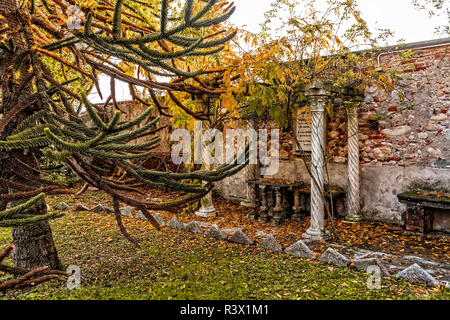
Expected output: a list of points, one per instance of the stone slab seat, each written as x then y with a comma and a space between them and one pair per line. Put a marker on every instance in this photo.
420, 209
425, 199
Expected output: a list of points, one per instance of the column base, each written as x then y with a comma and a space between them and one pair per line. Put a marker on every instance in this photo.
354, 219
246, 202
252, 215
206, 212
296, 217
276, 221
316, 235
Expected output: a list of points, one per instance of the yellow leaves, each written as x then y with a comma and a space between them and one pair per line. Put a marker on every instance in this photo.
357, 16
385, 83
338, 41
281, 96
92, 4
227, 78
329, 108
228, 102
302, 110
129, 69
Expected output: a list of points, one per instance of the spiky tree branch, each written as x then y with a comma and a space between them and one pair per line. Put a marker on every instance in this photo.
101, 45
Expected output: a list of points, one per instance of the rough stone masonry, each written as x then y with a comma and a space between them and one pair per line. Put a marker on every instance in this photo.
403, 145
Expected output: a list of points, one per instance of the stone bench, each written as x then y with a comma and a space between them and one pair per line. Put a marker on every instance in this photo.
278, 201
421, 207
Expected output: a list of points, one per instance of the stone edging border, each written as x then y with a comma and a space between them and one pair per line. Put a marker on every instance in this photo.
413, 273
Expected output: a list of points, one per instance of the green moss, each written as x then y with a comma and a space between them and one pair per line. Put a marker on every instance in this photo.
426, 196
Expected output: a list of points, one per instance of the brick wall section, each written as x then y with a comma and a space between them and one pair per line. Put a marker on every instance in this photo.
131, 109
413, 132
417, 131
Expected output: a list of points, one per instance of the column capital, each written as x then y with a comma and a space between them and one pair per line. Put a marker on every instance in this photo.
356, 99
354, 103
317, 88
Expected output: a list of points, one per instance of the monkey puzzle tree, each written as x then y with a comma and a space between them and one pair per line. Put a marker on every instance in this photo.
137, 42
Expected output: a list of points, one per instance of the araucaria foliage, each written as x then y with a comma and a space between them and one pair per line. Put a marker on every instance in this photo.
51, 53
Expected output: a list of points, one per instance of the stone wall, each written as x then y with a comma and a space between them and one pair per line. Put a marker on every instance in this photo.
402, 144
132, 109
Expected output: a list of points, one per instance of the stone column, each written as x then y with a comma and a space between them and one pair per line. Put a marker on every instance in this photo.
252, 170
353, 204
207, 209
317, 97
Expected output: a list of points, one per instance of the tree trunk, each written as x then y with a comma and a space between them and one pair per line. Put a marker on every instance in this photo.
34, 246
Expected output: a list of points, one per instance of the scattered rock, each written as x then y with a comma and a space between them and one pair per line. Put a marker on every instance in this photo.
62, 206
300, 249
422, 261
439, 117
127, 211
98, 208
140, 216
204, 224
175, 224
333, 257
434, 152
379, 154
270, 243
370, 116
363, 137
230, 231
363, 264
216, 233
333, 134
361, 254
193, 227
397, 131
431, 127
158, 217
108, 209
415, 273
261, 233
422, 135
81, 207
380, 254
240, 237
157, 200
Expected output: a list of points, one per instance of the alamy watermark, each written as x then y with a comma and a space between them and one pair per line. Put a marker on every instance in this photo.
74, 278
74, 15
374, 281
209, 147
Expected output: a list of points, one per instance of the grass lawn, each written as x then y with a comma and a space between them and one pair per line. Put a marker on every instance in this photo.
177, 265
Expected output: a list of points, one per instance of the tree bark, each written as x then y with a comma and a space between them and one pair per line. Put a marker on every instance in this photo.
34, 245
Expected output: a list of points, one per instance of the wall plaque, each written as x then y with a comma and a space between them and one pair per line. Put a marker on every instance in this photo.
303, 131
